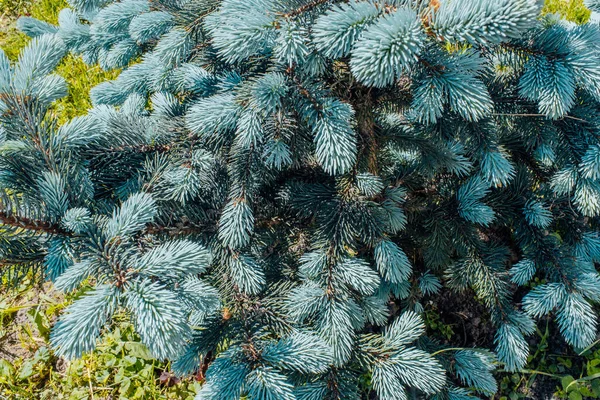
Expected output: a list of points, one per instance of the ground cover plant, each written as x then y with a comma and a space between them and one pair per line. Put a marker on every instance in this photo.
274, 191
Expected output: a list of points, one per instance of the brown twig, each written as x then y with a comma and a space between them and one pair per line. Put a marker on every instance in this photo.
174, 230
304, 91
31, 224
537, 115
55, 229
304, 8
367, 129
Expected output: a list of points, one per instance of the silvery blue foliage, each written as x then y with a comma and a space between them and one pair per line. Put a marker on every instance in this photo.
592, 5
336, 31
265, 178
522, 272
387, 49
471, 207
474, 368
484, 21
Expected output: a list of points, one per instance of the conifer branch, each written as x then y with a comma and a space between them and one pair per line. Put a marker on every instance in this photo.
367, 129
146, 148
307, 7
537, 115
179, 229
31, 224
309, 198
303, 90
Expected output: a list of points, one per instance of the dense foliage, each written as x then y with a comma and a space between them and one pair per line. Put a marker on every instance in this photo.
268, 182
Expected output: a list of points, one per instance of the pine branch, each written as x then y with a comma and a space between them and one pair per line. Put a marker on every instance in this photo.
31, 224
366, 128
307, 7
303, 90
539, 115
10, 263
56, 229
405, 136
146, 148
179, 229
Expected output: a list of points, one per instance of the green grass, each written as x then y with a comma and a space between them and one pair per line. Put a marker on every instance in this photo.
119, 368
79, 76
11, 40
572, 10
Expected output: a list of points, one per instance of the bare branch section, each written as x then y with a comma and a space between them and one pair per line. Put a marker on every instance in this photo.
305, 8
31, 224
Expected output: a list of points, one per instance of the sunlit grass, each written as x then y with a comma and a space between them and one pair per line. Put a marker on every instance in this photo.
572, 10
79, 76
